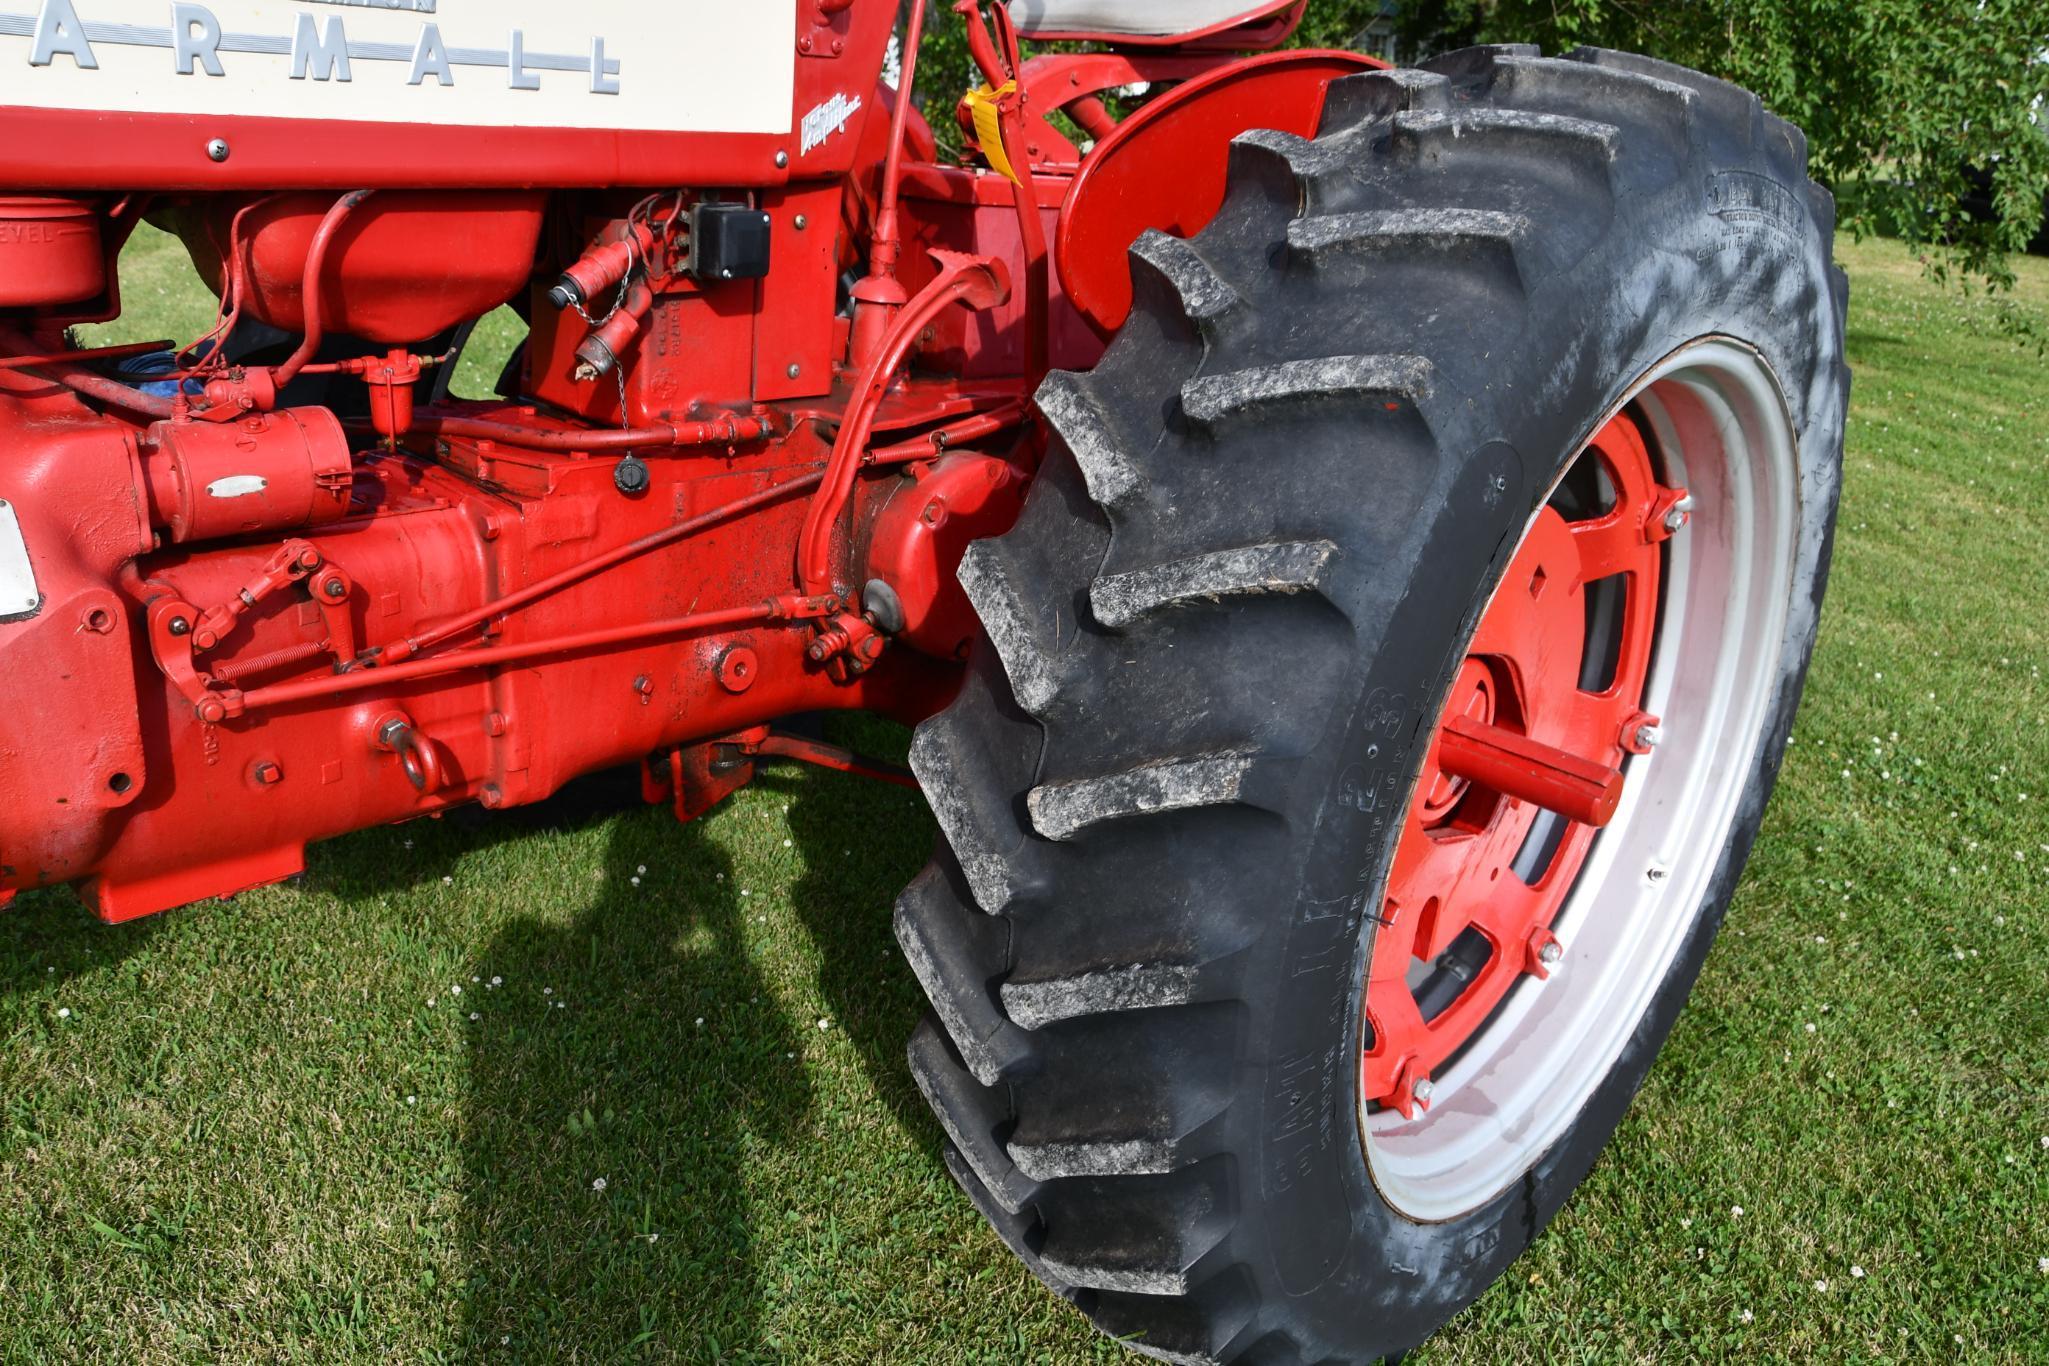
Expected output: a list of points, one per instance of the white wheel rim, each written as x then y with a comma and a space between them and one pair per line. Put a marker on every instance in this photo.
1720, 426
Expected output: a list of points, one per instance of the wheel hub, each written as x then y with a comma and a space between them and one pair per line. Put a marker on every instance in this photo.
1524, 765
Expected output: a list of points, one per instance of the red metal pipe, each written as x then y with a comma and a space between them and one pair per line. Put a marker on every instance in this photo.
882, 250
309, 289
779, 746
1093, 116
1529, 770
91, 385
484, 656
936, 443
91, 353
880, 295
972, 280
401, 649
711, 432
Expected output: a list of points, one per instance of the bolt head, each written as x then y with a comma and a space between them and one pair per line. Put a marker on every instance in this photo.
1675, 519
268, 774
1423, 1089
1648, 736
1550, 953
217, 149
795, 370
782, 159
180, 627
802, 222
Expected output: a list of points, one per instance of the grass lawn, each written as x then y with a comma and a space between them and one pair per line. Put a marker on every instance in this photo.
612, 1089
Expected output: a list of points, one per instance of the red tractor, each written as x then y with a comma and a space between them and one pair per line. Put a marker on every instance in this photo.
1349, 540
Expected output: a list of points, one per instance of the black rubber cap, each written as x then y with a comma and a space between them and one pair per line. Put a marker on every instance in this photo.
630, 476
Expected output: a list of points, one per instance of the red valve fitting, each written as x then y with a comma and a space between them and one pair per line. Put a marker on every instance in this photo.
599, 353
602, 267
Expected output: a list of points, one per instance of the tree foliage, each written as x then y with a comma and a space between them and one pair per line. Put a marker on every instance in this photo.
1902, 101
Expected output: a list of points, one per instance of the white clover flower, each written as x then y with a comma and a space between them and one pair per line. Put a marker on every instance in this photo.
1736, 1211
825, 1024
475, 1016
1857, 1273
641, 869
700, 1022
598, 1184
412, 1100
63, 1012
497, 981
1822, 1286
1745, 1316
455, 990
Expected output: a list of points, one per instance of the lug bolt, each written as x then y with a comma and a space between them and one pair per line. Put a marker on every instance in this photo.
1550, 953
1423, 1090
1675, 519
1648, 736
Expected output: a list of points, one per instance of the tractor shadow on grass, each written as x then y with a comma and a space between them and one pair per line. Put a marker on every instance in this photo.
48, 939
606, 1136
862, 841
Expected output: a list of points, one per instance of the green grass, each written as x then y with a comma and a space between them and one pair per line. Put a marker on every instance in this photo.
273, 1130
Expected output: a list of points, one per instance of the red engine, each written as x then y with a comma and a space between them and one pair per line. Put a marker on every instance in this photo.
276, 584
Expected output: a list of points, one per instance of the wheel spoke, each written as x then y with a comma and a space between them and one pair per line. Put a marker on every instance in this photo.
1608, 545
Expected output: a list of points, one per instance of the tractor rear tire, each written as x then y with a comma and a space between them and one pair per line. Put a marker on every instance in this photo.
1221, 637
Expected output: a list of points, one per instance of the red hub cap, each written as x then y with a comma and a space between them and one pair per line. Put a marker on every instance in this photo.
1523, 767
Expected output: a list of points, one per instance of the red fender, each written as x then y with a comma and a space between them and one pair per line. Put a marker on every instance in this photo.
1164, 166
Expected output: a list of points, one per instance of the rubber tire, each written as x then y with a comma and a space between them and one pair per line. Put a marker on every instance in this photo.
1235, 600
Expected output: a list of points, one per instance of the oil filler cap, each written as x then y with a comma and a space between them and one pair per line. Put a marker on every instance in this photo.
630, 476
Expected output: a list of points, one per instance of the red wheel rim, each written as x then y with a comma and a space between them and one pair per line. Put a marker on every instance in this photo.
1524, 766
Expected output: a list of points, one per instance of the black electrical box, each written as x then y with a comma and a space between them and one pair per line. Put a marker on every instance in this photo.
728, 242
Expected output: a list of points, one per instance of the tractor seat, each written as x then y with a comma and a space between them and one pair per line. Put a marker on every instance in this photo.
1157, 21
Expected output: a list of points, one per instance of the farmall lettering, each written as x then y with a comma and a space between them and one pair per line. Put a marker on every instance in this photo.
319, 50
503, 62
